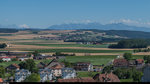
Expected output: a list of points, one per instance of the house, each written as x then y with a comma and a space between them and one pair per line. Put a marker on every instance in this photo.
106, 77
61, 57
45, 74
132, 63
68, 73
21, 75
1, 80
139, 62
54, 62
43, 57
83, 79
97, 68
23, 58
56, 67
50, 57
7, 59
38, 57
120, 63
41, 65
83, 66
56, 70
13, 67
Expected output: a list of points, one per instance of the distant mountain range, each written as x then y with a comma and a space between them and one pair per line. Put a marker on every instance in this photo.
9, 26
75, 26
117, 26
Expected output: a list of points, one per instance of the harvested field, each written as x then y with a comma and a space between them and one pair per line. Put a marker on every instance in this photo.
47, 47
55, 31
29, 36
142, 53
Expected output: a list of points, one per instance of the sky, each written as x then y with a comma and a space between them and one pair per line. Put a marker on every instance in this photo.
44, 13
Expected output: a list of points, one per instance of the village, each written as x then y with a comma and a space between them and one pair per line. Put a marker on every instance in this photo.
56, 71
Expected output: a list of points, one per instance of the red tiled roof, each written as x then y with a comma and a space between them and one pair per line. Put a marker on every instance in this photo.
106, 77
120, 62
140, 60
1, 80
16, 65
57, 66
83, 79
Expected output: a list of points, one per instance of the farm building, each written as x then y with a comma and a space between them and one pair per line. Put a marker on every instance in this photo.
120, 63
106, 77
13, 67
83, 66
83, 79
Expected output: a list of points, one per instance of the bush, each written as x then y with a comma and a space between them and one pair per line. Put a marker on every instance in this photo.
33, 78
3, 45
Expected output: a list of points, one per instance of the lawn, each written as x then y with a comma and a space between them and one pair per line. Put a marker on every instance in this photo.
81, 51
86, 74
44, 61
138, 56
95, 60
126, 80
5, 64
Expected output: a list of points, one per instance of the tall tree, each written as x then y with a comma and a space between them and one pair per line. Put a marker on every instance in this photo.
137, 76
107, 69
127, 56
2, 72
33, 78
30, 65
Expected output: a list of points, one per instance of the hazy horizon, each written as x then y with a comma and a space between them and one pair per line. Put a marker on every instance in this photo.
42, 14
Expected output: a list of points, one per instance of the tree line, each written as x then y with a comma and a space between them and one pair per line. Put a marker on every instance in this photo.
131, 43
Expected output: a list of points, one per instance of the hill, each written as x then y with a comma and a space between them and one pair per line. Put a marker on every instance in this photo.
118, 26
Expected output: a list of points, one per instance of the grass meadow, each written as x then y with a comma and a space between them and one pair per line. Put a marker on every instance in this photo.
81, 51
95, 60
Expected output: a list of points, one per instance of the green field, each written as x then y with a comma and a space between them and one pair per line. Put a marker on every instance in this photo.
5, 64
81, 51
126, 80
95, 60
66, 45
86, 74
138, 56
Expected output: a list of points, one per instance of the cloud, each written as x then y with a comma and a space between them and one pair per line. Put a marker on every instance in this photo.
87, 21
24, 26
138, 22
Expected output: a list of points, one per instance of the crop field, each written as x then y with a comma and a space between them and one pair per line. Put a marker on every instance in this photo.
82, 51
69, 45
95, 60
